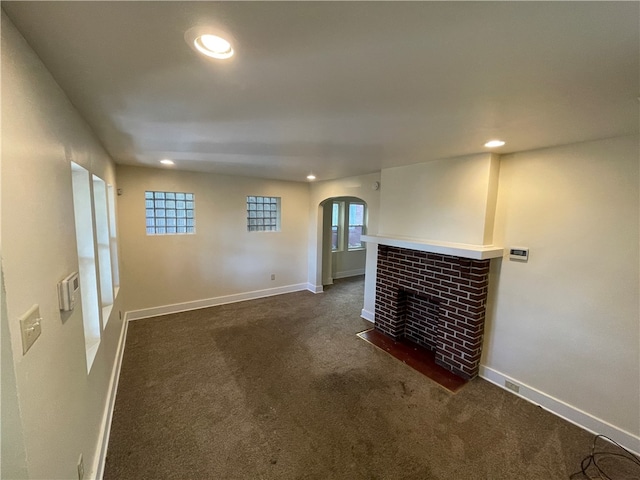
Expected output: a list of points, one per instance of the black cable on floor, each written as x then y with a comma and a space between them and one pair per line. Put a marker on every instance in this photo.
592, 464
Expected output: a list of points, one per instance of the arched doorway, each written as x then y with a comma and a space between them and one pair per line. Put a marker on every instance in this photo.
344, 220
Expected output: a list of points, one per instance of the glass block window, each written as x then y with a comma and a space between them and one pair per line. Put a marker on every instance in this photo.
170, 213
263, 214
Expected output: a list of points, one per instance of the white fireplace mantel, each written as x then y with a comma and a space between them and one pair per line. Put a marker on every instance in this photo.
475, 252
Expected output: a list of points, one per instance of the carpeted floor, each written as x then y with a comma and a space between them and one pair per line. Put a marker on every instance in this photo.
282, 388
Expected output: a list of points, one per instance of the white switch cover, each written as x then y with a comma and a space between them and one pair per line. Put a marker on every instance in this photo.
30, 327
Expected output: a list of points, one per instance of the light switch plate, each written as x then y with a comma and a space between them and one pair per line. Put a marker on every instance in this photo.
30, 327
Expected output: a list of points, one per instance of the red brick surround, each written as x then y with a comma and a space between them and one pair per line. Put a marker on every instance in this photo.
437, 301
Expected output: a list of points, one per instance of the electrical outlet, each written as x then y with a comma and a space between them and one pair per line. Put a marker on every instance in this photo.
80, 468
273, 276
512, 386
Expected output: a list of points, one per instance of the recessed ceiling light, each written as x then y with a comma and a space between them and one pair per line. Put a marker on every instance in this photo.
214, 46
166, 161
210, 42
494, 143
311, 176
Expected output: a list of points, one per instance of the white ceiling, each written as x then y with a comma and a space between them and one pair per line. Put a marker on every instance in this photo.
339, 88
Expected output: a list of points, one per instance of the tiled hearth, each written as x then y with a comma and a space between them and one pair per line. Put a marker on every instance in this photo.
435, 300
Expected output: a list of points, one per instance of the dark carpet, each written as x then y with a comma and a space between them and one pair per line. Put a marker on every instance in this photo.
282, 388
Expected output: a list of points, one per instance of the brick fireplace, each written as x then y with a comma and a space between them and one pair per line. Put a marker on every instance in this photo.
435, 300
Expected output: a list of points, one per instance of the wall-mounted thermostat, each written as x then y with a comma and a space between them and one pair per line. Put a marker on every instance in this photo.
519, 253
68, 292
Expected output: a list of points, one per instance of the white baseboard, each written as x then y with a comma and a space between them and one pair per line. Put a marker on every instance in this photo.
563, 410
212, 302
315, 288
97, 471
348, 273
367, 315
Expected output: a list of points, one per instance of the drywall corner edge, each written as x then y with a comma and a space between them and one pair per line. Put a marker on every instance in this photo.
492, 199
367, 315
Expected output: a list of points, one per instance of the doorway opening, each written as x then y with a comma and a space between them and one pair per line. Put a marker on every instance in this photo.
344, 221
